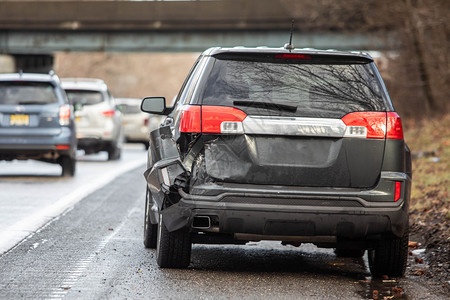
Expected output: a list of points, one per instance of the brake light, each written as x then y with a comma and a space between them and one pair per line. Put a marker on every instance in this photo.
63, 147
394, 126
190, 120
211, 119
292, 56
64, 115
398, 190
109, 113
222, 119
371, 125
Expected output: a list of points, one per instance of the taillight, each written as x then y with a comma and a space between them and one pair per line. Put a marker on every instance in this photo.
373, 125
212, 119
109, 113
398, 190
222, 119
146, 122
394, 126
64, 115
190, 120
63, 147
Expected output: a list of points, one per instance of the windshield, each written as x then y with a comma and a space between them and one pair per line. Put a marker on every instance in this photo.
27, 93
82, 97
307, 90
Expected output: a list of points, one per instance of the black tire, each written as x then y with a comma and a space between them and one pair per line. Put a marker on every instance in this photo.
173, 249
114, 152
150, 230
354, 253
68, 165
389, 257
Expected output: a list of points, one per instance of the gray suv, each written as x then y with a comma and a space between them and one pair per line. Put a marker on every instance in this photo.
36, 120
300, 146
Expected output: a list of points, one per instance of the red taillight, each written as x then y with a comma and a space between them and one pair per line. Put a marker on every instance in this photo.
398, 190
211, 119
394, 126
190, 120
373, 122
146, 122
109, 113
63, 147
64, 115
221, 119
293, 56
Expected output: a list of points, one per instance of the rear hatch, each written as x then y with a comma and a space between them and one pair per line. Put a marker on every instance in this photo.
291, 119
91, 109
30, 109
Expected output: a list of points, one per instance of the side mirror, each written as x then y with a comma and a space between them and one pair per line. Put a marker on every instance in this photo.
155, 105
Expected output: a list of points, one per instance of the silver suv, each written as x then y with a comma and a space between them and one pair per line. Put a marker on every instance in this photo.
99, 122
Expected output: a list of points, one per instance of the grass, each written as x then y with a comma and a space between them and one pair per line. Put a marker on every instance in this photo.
429, 141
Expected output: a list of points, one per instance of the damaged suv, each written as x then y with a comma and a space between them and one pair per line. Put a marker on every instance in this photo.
300, 146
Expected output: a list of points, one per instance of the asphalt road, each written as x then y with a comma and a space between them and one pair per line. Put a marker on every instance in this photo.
95, 251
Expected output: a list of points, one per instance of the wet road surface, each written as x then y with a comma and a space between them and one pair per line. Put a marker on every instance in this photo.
95, 251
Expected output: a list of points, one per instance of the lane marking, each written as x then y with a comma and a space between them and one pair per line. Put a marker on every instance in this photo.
14, 235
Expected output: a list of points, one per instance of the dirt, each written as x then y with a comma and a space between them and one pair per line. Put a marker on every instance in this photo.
429, 141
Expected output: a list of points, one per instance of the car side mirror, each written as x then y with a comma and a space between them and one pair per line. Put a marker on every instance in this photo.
155, 105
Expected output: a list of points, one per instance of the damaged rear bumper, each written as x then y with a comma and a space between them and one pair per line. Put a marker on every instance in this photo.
275, 212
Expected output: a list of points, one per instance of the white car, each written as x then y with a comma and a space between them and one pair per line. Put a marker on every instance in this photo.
98, 121
135, 122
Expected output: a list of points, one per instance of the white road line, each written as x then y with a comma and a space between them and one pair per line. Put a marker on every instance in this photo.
16, 233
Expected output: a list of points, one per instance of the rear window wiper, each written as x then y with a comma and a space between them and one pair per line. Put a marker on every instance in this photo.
267, 105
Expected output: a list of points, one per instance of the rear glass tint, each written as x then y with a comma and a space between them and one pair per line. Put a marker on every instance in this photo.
130, 109
27, 93
82, 97
304, 90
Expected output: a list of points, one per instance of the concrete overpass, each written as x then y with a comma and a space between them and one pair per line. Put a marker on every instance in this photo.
45, 26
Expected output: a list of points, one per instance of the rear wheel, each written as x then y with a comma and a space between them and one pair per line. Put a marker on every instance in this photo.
150, 230
390, 256
173, 249
68, 165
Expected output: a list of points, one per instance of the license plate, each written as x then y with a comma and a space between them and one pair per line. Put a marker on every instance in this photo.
19, 120
77, 119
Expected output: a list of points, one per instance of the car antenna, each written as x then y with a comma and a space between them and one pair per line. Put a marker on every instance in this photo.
289, 46
20, 72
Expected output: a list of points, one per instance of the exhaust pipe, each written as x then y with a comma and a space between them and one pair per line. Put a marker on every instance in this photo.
201, 222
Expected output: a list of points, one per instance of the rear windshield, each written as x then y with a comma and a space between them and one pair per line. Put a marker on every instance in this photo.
130, 109
83, 97
304, 90
27, 93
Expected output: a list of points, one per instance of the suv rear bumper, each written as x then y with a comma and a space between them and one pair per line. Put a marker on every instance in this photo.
271, 211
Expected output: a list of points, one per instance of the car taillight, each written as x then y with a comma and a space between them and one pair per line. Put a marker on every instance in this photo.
109, 113
222, 119
394, 126
398, 190
63, 147
64, 115
373, 125
212, 119
190, 120
146, 122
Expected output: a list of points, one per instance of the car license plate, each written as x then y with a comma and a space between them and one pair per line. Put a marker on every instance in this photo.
77, 119
19, 120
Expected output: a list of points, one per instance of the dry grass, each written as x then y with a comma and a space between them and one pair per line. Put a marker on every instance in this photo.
429, 141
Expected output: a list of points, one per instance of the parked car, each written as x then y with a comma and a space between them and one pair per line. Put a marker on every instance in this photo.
36, 120
135, 122
300, 146
99, 122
